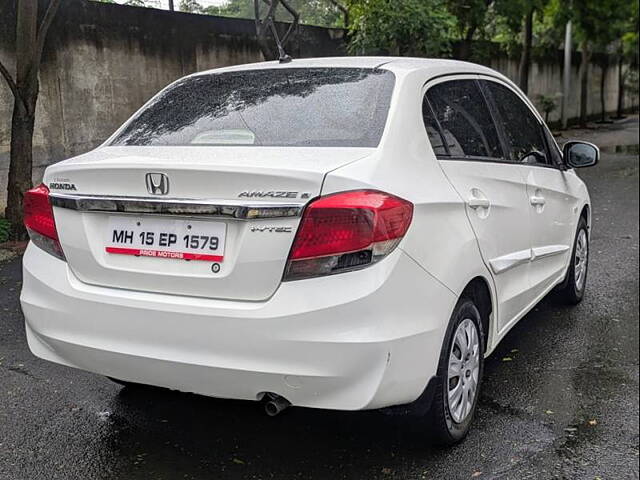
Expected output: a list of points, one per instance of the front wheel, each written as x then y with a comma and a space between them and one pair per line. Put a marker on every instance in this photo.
575, 283
459, 375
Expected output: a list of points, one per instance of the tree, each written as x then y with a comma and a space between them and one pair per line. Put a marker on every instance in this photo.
519, 18
598, 24
344, 10
135, 3
469, 16
190, 6
628, 53
30, 41
327, 13
547, 104
402, 27
266, 24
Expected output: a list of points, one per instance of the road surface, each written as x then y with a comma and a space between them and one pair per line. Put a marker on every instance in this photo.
560, 397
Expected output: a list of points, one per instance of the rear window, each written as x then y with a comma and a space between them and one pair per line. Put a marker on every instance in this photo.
332, 107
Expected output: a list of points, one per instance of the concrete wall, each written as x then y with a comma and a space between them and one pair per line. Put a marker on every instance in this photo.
545, 78
102, 61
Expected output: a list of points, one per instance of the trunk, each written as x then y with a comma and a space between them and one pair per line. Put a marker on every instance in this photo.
525, 59
252, 252
603, 82
21, 160
467, 42
620, 106
262, 30
268, 52
584, 84
171, 5
23, 117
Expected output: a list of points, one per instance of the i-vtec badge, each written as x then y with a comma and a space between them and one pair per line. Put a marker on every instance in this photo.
272, 229
272, 194
62, 186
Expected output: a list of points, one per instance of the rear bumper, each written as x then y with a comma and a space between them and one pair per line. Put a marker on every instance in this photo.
364, 339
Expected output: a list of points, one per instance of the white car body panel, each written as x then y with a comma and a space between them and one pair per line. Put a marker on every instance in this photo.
364, 339
254, 260
332, 342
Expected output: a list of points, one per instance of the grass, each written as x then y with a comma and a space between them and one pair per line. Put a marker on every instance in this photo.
5, 230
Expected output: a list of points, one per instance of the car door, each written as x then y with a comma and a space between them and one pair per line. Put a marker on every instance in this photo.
468, 147
553, 203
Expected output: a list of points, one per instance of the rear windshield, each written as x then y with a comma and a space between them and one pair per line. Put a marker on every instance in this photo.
323, 107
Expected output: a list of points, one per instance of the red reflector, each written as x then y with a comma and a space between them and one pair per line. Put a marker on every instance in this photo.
349, 222
38, 214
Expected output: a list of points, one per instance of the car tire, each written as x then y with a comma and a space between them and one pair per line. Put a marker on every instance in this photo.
572, 289
451, 416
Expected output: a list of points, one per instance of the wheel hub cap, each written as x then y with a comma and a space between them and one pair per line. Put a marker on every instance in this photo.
464, 368
582, 254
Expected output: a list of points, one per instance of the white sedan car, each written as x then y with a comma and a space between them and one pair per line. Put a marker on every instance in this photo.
339, 233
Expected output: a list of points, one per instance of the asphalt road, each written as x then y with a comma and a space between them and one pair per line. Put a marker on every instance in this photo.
560, 398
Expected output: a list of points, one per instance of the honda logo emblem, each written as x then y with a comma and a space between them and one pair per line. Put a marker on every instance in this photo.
157, 183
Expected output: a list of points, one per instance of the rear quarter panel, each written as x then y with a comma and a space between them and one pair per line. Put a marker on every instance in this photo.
440, 238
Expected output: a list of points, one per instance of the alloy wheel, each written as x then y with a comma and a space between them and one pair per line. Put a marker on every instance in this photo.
464, 369
582, 254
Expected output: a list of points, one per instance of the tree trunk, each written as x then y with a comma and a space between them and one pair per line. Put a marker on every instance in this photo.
171, 5
268, 52
584, 83
467, 43
20, 166
30, 38
344, 10
603, 82
262, 29
525, 58
24, 105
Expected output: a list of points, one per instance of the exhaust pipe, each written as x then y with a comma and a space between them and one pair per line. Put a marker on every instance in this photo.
275, 404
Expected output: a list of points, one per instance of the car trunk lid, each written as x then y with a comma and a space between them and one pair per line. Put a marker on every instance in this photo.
246, 200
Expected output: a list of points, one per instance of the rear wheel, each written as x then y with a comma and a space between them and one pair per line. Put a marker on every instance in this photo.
573, 288
459, 375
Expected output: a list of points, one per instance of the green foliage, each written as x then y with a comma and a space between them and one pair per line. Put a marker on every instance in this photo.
510, 15
547, 104
469, 16
601, 22
135, 3
190, 6
5, 230
400, 27
312, 12
629, 45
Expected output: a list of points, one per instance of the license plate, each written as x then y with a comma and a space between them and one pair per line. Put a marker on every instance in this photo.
166, 238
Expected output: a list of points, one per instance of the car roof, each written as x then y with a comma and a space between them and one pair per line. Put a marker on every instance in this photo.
431, 66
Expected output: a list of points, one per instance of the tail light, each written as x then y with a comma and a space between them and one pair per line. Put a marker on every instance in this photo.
38, 218
347, 231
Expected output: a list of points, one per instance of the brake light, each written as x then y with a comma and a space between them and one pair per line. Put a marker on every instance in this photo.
346, 231
39, 221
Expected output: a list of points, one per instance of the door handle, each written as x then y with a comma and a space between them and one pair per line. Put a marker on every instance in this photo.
537, 200
475, 202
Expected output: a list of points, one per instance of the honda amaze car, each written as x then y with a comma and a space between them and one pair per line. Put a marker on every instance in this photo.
340, 233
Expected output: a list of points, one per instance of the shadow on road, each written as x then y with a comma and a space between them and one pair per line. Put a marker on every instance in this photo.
169, 434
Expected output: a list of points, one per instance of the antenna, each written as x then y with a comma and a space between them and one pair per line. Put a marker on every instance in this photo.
283, 57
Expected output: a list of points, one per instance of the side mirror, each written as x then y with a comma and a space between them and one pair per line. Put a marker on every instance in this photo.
580, 154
